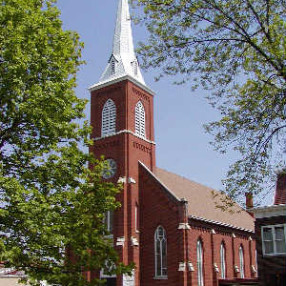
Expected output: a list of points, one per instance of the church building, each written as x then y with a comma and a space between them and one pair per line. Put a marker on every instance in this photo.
168, 225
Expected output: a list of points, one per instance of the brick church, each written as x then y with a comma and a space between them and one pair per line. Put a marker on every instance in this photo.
168, 225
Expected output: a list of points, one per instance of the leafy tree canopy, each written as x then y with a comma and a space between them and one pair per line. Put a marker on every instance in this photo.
236, 49
52, 203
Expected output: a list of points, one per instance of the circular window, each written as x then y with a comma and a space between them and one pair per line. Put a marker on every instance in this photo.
109, 169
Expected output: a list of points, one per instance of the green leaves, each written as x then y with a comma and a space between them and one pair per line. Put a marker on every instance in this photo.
237, 50
52, 203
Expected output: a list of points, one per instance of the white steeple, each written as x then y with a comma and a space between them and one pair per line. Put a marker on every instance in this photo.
122, 62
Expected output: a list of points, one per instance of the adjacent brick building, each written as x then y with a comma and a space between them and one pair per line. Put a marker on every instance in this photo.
270, 230
168, 225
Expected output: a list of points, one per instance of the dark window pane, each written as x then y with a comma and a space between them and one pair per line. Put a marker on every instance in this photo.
267, 234
279, 232
268, 247
280, 246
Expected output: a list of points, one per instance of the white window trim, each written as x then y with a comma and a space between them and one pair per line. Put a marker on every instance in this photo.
200, 263
159, 276
103, 275
241, 262
275, 253
222, 261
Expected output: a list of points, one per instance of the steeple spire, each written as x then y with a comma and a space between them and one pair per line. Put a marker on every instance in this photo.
122, 61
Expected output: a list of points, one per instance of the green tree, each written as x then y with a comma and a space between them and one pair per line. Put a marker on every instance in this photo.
236, 49
52, 202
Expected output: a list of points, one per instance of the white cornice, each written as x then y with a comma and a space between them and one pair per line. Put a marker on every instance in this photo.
121, 132
269, 211
219, 223
119, 79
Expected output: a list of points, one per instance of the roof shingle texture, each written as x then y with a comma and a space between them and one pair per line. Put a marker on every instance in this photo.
203, 201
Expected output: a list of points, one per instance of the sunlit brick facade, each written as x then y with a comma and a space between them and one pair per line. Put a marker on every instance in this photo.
168, 225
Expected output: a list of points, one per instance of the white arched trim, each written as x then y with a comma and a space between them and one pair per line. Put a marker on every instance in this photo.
108, 124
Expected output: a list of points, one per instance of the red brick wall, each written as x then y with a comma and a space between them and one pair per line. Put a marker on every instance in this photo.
157, 208
212, 236
126, 149
160, 208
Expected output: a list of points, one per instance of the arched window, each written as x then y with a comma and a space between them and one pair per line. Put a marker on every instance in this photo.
108, 118
160, 252
140, 119
222, 261
241, 262
200, 263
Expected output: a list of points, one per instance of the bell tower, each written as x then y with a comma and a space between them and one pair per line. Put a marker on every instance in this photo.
123, 131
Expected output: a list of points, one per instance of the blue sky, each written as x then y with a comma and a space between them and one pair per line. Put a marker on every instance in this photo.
182, 145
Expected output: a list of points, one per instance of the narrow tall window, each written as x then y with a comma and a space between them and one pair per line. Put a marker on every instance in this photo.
140, 119
160, 252
136, 218
108, 221
200, 263
241, 262
108, 118
222, 261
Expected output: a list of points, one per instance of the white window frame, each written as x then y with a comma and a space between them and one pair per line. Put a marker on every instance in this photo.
222, 261
200, 263
108, 118
140, 120
272, 227
157, 240
241, 262
104, 275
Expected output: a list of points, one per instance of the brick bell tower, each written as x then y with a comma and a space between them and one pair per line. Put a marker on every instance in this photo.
123, 131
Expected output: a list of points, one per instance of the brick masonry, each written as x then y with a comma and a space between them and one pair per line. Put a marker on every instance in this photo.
156, 206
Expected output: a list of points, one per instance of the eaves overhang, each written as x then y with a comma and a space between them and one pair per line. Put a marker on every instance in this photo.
220, 223
119, 79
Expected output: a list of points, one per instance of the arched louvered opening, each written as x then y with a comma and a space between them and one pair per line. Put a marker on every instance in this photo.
222, 261
160, 244
200, 263
108, 126
140, 120
135, 67
113, 64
